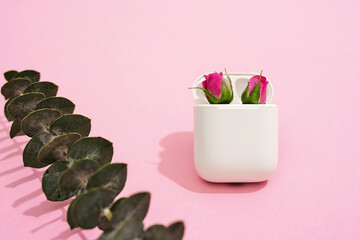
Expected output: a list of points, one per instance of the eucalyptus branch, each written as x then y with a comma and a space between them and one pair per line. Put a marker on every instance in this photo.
78, 165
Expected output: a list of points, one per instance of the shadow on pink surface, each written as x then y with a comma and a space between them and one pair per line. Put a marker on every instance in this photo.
11, 149
46, 207
177, 164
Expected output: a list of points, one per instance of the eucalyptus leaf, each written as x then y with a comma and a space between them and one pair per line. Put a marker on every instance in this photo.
57, 148
50, 182
49, 89
155, 232
128, 230
175, 231
159, 232
118, 203
24, 103
64, 105
87, 207
39, 121
112, 176
32, 148
134, 208
70, 217
15, 87
10, 74
96, 148
71, 123
76, 176
16, 129
32, 75
6, 112
104, 222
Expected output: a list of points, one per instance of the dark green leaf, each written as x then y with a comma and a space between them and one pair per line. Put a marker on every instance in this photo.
104, 223
16, 129
87, 207
50, 182
159, 232
15, 87
49, 89
111, 176
57, 148
175, 231
33, 75
10, 74
24, 103
96, 148
64, 105
118, 203
6, 112
76, 176
71, 123
39, 121
155, 232
135, 208
31, 151
70, 218
128, 230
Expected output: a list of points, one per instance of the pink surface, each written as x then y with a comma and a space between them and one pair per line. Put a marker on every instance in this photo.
127, 66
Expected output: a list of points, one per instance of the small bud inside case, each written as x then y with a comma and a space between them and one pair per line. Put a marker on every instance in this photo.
235, 142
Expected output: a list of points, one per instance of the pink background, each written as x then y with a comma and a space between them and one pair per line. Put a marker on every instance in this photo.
127, 66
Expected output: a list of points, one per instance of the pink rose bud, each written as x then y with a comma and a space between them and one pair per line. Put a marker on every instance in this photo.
255, 92
217, 89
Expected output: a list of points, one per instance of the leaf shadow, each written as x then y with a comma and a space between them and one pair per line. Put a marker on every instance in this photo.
27, 197
64, 234
12, 170
34, 175
15, 149
4, 138
46, 207
45, 224
177, 164
11, 155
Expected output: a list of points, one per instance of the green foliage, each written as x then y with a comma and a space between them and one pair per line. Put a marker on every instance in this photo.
8, 116
39, 121
57, 148
50, 182
16, 129
159, 232
112, 176
64, 105
87, 207
31, 151
75, 178
71, 123
32, 75
129, 230
15, 87
79, 165
96, 148
47, 88
25, 103
132, 208
10, 74
133, 229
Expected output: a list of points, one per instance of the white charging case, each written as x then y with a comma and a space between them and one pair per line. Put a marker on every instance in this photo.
235, 142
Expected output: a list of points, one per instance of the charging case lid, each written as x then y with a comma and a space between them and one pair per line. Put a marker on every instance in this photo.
239, 83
